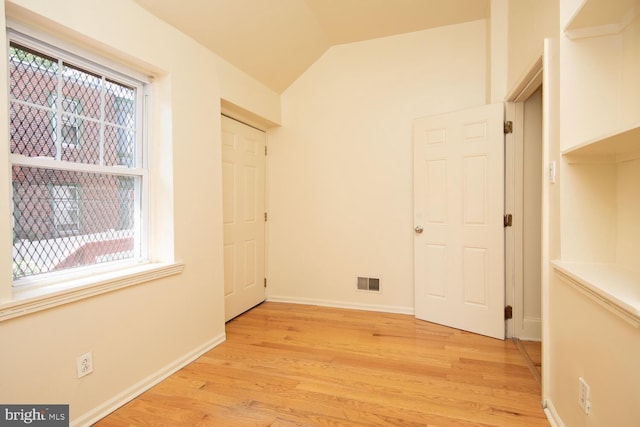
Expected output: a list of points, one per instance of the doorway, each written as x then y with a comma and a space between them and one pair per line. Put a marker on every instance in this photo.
525, 176
528, 248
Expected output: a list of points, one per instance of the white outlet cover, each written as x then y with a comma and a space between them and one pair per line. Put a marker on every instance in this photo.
84, 364
584, 395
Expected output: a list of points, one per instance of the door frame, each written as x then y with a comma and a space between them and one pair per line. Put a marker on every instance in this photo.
514, 112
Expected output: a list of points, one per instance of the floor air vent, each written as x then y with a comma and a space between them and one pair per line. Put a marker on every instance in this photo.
368, 284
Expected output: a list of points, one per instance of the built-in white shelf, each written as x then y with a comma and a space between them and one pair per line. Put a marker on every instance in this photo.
601, 17
618, 146
610, 285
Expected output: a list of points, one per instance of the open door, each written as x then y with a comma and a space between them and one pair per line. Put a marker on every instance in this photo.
458, 214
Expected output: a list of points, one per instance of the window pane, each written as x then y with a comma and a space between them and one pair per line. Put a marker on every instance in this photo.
32, 75
69, 113
65, 208
81, 91
120, 130
31, 131
119, 146
66, 219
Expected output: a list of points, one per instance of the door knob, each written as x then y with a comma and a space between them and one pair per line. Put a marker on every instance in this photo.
419, 229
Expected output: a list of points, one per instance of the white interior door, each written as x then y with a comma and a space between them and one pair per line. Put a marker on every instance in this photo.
243, 175
458, 213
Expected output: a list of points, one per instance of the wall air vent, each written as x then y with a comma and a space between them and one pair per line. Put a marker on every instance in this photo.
368, 284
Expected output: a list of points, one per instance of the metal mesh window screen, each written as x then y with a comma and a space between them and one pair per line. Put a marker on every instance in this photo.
65, 207
69, 216
61, 111
66, 219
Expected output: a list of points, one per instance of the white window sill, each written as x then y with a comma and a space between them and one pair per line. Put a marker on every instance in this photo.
31, 300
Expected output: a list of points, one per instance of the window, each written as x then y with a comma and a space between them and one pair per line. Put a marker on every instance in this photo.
77, 153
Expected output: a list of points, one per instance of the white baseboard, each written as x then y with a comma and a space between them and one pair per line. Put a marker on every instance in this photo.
531, 329
552, 414
135, 390
342, 304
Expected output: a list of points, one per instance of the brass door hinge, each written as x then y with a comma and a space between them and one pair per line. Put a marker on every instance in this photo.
508, 312
265, 282
508, 127
265, 217
508, 220
265, 150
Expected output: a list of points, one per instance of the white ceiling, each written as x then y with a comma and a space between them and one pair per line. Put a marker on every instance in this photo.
275, 41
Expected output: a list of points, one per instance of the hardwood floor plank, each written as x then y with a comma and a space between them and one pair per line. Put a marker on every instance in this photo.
296, 365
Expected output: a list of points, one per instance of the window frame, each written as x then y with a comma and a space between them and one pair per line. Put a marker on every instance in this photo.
80, 58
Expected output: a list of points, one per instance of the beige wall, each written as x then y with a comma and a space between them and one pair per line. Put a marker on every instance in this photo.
340, 180
628, 205
497, 44
530, 22
142, 332
590, 342
255, 101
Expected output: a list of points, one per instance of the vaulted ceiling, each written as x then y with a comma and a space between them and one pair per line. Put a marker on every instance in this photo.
275, 41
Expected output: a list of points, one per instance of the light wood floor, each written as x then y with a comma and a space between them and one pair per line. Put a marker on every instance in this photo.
532, 351
297, 365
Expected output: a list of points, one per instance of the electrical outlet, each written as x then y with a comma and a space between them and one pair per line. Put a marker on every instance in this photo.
84, 364
584, 395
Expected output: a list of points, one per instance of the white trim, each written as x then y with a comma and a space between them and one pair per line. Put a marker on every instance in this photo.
31, 300
53, 46
104, 409
51, 163
531, 329
529, 82
509, 207
602, 30
552, 415
242, 115
342, 304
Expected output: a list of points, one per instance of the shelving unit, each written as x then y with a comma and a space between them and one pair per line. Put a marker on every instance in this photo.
600, 147
610, 285
601, 17
619, 146
600, 82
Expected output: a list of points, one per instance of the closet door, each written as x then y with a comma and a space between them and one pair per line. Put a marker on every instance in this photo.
243, 169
